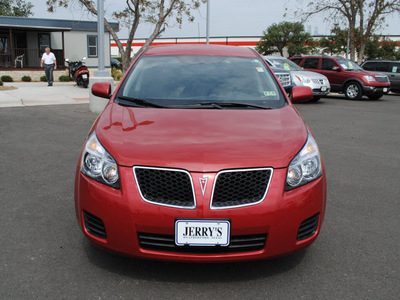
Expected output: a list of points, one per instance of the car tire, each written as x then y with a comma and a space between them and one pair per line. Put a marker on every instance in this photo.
353, 91
315, 99
375, 97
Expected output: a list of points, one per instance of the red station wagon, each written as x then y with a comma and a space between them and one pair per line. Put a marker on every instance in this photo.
200, 155
346, 76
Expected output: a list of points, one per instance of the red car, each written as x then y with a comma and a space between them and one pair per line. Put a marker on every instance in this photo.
199, 155
346, 76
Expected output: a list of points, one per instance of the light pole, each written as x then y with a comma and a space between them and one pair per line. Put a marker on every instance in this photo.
101, 72
208, 23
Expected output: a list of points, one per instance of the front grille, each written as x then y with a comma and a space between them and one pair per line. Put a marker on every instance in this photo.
166, 243
240, 187
382, 78
284, 79
94, 225
169, 187
308, 228
317, 81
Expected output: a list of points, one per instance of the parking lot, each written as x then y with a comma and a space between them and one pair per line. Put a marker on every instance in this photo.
43, 254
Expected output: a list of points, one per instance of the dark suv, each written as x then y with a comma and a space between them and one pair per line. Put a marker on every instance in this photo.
387, 67
346, 76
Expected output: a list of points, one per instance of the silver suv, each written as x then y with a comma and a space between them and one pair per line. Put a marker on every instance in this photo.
317, 82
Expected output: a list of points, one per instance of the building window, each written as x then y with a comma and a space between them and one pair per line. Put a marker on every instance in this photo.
92, 45
44, 42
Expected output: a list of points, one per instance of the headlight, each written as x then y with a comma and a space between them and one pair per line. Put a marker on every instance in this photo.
369, 78
98, 164
305, 166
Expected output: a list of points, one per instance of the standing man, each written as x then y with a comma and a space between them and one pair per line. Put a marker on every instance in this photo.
50, 64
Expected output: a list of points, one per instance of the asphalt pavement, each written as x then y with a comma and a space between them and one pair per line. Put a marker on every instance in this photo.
43, 254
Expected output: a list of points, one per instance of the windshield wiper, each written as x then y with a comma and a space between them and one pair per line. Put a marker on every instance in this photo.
222, 105
142, 102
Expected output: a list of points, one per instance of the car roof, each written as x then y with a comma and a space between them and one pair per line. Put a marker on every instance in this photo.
380, 60
201, 50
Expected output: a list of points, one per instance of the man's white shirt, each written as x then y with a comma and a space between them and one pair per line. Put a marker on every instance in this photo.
48, 59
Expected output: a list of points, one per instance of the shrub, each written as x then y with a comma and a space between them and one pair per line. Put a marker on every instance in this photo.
26, 78
43, 78
1, 83
116, 74
65, 78
6, 78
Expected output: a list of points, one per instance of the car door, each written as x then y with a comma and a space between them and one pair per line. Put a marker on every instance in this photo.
394, 76
334, 73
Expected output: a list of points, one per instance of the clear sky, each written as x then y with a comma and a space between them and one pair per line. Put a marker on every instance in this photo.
227, 18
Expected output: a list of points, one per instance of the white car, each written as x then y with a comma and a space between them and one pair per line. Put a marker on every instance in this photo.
317, 82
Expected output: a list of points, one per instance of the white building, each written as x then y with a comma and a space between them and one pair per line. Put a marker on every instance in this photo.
28, 37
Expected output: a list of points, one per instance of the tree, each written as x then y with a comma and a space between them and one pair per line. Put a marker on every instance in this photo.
15, 8
336, 43
157, 12
291, 36
363, 15
381, 48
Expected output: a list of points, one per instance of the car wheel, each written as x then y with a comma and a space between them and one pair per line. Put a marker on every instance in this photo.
375, 97
353, 91
315, 99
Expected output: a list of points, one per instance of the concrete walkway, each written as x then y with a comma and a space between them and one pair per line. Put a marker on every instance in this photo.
38, 93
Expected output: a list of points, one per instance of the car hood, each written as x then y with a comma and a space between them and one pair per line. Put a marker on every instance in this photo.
201, 140
364, 72
309, 74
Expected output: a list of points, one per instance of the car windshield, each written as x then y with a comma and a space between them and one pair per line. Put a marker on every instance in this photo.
182, 80
286, 64
348, 65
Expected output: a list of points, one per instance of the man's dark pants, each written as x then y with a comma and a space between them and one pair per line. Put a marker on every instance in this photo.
48, 70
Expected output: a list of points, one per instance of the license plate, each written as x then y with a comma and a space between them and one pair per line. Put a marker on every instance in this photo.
323, 88
385, 90
202, 232
84, 76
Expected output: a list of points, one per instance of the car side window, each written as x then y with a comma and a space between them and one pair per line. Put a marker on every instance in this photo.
395, 68
382, 67
328, 64
297, 60
369, 66
311, 63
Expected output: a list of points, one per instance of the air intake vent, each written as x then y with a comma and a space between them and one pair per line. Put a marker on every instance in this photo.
169, 187
235, 188
94, 225
308, 228
166, 243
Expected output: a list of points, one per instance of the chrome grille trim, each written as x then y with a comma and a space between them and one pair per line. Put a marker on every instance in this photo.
284, 79
165, 169
240, 170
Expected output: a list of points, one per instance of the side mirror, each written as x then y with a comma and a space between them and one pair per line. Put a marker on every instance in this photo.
301, 93
102, 90
336, 68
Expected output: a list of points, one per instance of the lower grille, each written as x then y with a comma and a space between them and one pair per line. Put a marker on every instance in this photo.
308, 228
240, 187
166, 243
94, 225
169, 187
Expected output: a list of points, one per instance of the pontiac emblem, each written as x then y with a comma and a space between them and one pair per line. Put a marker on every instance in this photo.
203, 184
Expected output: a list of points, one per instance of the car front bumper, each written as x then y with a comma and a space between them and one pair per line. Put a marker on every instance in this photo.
127, 218
376, 90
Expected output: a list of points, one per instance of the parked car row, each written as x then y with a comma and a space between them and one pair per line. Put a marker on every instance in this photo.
324, 74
